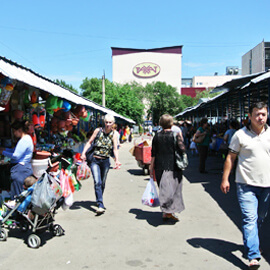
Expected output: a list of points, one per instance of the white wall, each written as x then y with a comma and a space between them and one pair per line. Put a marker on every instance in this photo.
256, 56
170, 68
212, 81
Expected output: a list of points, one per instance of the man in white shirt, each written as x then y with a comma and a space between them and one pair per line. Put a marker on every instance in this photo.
251, 145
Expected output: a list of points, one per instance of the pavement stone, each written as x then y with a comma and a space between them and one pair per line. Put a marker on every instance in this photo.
133, 236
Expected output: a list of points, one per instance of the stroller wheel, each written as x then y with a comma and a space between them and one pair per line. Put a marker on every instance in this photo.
3, 234
33, 241
58, 230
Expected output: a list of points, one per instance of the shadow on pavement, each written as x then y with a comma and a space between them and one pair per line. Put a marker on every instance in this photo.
17, 233
136, 172
228, 203
84, 204
220, 248
153, 218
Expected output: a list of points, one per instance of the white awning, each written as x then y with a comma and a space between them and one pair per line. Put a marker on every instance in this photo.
27, 76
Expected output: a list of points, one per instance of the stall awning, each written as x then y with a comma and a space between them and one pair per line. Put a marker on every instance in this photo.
19, 73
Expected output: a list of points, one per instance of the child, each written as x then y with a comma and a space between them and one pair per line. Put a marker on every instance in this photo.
28, 182
193, 147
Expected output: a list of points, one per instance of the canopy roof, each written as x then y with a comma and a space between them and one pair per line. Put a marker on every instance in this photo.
19, 73
234, 99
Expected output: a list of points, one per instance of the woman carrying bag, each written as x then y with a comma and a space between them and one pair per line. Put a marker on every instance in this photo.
105, 140
163, 165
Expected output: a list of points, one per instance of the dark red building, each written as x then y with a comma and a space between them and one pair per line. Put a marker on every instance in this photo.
191, 91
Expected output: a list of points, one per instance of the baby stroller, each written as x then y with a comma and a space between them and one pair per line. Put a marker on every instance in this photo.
35, 210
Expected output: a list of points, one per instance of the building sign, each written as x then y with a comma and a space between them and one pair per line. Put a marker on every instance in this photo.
146, 70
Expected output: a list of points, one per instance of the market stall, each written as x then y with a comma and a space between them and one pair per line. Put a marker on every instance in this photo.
60, 119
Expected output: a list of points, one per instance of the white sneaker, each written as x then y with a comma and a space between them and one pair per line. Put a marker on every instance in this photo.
100, 211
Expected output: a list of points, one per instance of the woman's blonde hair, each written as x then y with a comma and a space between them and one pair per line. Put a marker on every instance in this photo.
166, 121
109, 117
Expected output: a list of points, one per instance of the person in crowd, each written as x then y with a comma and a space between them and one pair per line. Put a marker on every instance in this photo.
168, 176
184, 129
118, 144
251, 145
175, 128
105, 142
230, 132
114, 127
131, 134
20, 156
203, 130
127, 132
150, 130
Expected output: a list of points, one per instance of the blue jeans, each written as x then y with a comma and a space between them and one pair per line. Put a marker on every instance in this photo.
18, 173
99, 169
254, 204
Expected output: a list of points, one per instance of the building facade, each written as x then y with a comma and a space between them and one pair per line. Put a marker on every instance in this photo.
257, 59
148, 65
210, 82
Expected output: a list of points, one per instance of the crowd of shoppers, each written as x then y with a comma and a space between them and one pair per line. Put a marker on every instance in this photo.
249, 146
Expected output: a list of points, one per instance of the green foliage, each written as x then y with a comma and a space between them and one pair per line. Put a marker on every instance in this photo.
204, 94
67, 86
163, 99
122, 99
131, 99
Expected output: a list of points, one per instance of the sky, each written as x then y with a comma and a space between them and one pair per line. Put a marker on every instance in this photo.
71, 40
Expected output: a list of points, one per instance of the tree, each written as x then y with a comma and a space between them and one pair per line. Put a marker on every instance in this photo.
122, 99
163, 99
67, 86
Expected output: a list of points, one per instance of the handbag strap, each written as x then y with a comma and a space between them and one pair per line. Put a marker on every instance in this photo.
98, 135
175, 140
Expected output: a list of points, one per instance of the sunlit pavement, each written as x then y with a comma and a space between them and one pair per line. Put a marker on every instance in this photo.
132, 236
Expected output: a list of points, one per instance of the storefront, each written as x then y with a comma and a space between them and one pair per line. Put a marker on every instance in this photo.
60, 119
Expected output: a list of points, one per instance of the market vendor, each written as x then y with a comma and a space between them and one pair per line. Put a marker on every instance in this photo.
20, 157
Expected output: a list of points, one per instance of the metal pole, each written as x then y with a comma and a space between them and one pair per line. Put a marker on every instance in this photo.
103, 91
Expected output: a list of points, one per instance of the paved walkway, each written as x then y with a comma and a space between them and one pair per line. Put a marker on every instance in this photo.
132, 236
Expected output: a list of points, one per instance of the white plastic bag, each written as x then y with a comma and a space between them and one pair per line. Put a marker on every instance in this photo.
150, 195
43, 197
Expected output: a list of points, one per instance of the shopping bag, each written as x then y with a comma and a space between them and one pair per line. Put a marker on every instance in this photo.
43, 197
150, 195
64, 183
83, 171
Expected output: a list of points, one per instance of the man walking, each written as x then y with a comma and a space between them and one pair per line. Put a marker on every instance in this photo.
251, 145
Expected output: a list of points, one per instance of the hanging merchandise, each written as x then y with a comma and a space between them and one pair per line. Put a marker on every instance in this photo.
66, 106
34, 97
17, 114
86, 116
51, 104
26, 99
7, 87
42, 116
59, 105
38, 117
31, 132
79, 110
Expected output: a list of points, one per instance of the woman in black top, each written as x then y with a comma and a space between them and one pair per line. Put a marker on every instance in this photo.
168, 176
